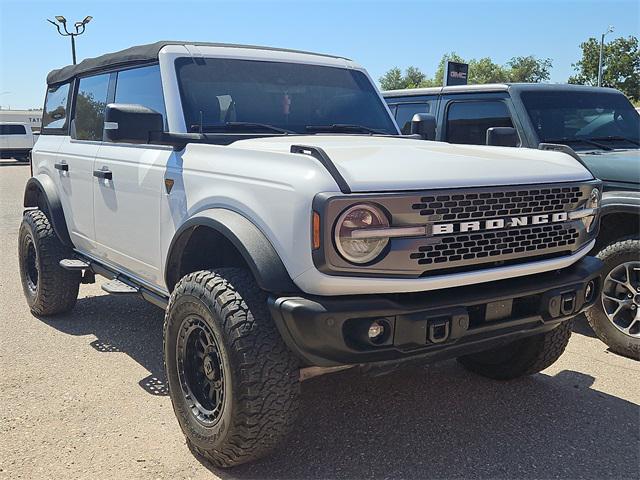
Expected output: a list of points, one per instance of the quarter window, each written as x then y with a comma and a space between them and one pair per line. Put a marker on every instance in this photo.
467, 122
55, 107
90, 105
141, 86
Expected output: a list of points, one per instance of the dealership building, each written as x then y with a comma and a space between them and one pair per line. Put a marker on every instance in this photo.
30, 117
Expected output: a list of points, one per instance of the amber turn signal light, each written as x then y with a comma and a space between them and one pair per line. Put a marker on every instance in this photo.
316, 231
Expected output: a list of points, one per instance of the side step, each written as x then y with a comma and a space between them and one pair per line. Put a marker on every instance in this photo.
74, 264
118, 287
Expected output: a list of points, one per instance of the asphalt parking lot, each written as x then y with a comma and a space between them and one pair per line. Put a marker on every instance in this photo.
83, 395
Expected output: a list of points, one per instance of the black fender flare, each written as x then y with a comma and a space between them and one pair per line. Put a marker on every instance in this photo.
620, 201
42, 187
256, 250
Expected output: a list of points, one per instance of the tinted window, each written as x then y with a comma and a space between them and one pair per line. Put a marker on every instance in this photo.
55, 107
90, 104
141, 86
292, 96
406, 111
12, 130
572, 117
467, 122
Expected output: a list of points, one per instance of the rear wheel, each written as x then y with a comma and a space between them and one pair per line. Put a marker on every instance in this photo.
523, 357
616, 317
232, 381
48, 288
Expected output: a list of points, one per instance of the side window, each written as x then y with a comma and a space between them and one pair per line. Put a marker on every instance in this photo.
141, 86
55, 108
392, 108
89, 110
406, 111
467, 122
12, 130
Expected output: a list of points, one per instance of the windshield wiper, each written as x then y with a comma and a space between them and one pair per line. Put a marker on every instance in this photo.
613, 138
343, 127
238, 125
568, 140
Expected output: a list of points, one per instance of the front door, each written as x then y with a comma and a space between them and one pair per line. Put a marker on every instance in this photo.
130, 185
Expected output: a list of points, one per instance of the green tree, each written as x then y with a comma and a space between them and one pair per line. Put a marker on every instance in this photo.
621, 65
484, 70
529, 69
392, 80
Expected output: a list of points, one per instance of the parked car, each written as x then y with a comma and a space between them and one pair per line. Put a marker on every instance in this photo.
265, 199
602, 129
16, 141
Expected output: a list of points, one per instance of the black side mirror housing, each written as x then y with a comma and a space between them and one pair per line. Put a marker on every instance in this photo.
502, 137
131, 123
424, 124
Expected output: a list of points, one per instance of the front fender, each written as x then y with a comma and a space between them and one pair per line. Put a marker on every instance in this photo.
40, 191
256, 250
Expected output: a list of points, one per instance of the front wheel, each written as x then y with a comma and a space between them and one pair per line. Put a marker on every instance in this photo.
616, 317
233, 383
523, 357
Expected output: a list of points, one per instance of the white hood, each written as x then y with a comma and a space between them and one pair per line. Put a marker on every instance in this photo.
370, 163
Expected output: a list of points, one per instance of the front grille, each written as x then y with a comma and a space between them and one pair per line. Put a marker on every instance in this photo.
470, 205
496, 244
477, 228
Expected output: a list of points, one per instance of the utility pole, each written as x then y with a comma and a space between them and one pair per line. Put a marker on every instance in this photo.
600, 62
79, 27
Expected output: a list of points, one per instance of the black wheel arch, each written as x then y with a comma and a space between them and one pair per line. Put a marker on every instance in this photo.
619, 217
256, 250
40, 192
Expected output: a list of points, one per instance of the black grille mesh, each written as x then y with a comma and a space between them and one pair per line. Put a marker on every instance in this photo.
461, 206
496, 244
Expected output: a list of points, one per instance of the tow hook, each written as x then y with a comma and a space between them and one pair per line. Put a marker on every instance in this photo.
438, 330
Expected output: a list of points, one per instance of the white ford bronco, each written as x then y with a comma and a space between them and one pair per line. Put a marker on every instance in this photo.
267, 200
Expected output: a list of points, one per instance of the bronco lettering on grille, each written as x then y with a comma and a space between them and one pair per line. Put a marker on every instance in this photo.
497, 223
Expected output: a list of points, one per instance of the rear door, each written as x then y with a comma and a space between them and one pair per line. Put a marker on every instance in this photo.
77, 153
127, 205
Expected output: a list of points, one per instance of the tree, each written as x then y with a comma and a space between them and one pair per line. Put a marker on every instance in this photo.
483, 70
621, 65
529, 69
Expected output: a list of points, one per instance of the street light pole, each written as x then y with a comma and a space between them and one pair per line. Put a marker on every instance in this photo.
79, 27
609, 30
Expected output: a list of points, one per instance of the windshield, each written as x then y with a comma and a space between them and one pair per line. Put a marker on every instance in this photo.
584, 120
231, 95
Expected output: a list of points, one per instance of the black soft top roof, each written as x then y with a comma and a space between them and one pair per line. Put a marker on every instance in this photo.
140, 54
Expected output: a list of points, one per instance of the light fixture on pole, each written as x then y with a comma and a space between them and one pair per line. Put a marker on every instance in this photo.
79, 30
609, 30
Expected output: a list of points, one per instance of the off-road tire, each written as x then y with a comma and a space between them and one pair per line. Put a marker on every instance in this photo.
621, 251
520, 358
261, 386
50, 289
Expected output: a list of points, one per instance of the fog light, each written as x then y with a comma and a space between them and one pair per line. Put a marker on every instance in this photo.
589, 290
376, 331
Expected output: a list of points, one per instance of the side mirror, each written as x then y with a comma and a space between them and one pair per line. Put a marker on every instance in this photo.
502, 137
424, 124
130, 123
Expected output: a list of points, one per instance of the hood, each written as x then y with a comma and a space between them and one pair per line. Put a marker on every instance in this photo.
370, 163
621, 166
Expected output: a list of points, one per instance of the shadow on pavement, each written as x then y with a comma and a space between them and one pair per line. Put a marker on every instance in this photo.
582, 327
437, 421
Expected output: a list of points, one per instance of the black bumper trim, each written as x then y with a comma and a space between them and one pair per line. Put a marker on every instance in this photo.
323, 331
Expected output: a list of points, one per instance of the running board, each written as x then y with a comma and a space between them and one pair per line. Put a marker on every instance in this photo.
74, 264
117, 287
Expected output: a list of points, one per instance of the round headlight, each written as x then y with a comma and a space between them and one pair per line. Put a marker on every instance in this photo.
361, 249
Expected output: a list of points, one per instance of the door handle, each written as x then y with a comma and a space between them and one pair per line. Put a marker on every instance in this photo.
106, 174
61, 166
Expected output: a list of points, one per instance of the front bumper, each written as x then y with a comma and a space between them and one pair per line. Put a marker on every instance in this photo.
435, 325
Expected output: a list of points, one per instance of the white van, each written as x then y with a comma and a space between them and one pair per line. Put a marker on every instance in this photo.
16, 140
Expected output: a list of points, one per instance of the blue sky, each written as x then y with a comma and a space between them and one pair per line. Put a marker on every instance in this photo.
377, 34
